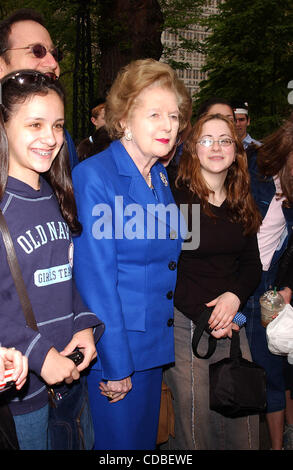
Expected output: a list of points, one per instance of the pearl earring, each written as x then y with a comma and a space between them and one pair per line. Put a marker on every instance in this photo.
128, 135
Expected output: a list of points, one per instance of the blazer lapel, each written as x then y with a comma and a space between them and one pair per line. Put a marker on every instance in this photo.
171, 215
138, 190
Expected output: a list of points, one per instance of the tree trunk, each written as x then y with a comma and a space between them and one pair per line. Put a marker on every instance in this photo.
83, 88
130, 29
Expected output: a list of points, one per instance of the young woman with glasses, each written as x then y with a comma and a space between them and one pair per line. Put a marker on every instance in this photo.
220, 274
36, 199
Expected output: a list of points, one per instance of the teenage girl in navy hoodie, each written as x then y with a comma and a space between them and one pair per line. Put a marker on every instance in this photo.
41, 215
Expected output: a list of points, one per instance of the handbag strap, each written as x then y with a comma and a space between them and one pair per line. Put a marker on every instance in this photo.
197, 334
235, 350
16, 274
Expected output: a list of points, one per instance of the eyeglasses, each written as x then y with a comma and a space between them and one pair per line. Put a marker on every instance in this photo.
208, 142
27, 77
39, 51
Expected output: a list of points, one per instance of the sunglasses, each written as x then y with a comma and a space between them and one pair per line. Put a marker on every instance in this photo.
28, 77
39, 51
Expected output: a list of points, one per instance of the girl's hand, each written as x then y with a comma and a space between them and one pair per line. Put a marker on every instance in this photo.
226, 307
57, 369
84, 340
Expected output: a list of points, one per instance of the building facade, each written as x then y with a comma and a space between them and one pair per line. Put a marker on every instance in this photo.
193, 75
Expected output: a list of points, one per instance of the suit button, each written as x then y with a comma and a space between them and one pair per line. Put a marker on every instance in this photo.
172, 265
170, 322
170, 295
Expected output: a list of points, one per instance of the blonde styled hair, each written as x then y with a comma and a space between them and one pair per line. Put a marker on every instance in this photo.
131, 81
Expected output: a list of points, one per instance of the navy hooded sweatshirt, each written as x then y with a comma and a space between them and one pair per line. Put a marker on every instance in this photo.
44, 249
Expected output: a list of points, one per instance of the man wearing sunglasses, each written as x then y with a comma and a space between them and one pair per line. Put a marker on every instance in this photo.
25, 43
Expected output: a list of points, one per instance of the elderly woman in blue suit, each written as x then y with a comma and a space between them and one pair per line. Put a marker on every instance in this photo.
126, 257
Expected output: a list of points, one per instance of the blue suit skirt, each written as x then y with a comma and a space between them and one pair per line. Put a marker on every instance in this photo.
131, 423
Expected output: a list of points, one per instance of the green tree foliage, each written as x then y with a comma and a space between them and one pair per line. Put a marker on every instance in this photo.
249, 57
97, 37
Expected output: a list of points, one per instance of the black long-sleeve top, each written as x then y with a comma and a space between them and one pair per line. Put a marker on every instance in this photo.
226, 260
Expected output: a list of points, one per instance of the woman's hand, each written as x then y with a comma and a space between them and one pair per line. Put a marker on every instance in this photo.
10, 358
83, 340
116, 389
224, 332
226, 307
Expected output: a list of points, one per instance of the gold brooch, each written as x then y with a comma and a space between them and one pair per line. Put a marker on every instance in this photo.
164, 179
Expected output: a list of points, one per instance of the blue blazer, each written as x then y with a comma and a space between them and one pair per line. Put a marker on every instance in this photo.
125, 274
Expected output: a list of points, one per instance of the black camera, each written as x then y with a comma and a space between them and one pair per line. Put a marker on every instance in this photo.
76, 356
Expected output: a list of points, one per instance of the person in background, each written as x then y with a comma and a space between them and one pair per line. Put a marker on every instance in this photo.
220, 274
271, 172
25, 43
173, 157
98, 115
285, 278
41, 217
125, 271
100, 139
16, 364
216, 105
242, 121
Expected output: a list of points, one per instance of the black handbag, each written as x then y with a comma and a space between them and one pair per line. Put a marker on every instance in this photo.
237, 386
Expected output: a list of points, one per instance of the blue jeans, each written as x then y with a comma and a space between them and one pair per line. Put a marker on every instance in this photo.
32, 429
67, 427
70, 423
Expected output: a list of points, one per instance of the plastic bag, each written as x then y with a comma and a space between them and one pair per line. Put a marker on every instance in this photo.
280, 333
